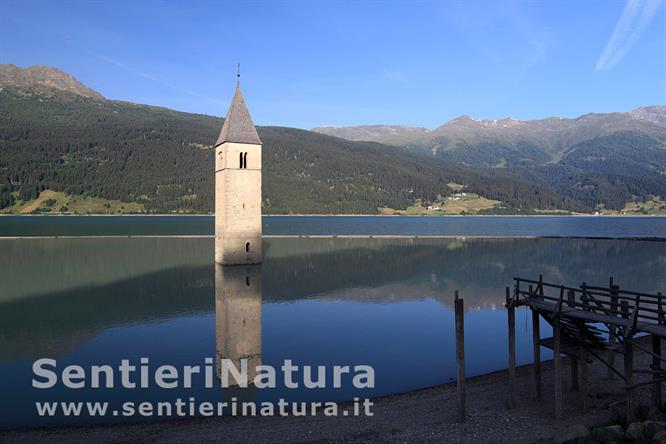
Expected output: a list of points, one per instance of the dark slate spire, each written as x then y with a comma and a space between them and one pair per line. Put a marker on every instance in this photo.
238, 126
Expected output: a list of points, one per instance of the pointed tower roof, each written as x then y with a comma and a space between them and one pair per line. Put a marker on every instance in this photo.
238, 126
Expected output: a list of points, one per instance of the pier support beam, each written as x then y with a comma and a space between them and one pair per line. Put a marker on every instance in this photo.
571, 302
511, 315
582, 357
536, 350
557, 357
460, 355
628, 349
574, 373
628, 374
656, 367
612, 330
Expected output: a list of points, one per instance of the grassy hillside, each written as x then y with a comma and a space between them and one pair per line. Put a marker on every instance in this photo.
140, 157
50, 201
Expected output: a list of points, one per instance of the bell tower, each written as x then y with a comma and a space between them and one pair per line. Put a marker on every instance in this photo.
238, 187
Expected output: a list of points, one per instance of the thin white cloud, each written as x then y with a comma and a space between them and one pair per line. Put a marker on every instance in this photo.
634, 20
156, 80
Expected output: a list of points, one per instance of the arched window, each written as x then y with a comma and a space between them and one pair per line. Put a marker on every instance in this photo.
247, 247
247, 280
242, 160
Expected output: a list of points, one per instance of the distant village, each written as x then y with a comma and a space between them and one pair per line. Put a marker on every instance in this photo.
457, 196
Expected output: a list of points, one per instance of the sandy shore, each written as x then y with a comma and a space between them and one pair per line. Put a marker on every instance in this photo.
422, 416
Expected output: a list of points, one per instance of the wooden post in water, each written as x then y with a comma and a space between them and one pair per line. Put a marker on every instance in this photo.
536, 351
511, 314
557, 356
460, 355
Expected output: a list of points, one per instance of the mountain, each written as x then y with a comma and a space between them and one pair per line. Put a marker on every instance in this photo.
389, 134
597, 159
43, 79
139, 157
64, 147
551, 138
654, 114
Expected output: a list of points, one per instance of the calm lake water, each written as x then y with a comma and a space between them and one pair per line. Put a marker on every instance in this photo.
579, 226
317, 301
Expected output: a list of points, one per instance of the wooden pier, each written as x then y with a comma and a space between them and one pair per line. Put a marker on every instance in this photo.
590, 322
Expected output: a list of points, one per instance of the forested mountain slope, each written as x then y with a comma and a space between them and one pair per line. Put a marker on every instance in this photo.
163, 160
597, 159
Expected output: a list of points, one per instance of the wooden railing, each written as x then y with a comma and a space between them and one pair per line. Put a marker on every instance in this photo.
611, 305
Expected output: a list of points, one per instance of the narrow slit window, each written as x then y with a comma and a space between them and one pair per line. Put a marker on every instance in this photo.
247, 247
245, 160
247, 280
241, 161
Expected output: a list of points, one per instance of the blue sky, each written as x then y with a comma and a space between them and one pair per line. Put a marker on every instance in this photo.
322, 62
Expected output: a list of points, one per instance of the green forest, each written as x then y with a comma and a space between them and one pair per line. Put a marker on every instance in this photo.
163, 160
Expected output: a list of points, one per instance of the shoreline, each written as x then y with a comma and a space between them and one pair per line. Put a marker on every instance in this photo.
338, 215
333, 236
422, 415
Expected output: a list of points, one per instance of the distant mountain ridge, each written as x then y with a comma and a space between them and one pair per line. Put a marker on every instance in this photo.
620, 156
43, 78
553, 134
390, 134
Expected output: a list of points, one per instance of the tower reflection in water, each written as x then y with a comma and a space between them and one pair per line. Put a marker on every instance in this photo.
238, 318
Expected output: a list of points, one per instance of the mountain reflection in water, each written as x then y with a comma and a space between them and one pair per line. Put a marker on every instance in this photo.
380, 302
60, 292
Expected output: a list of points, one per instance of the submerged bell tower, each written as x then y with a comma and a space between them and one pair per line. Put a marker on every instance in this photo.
238, 187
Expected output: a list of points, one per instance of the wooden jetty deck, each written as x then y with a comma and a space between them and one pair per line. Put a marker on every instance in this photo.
590, 322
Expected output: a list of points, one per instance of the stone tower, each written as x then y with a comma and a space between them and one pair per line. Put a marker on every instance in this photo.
238, 188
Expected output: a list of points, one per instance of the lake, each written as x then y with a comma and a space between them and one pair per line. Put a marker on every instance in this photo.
559, 226
317, 301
